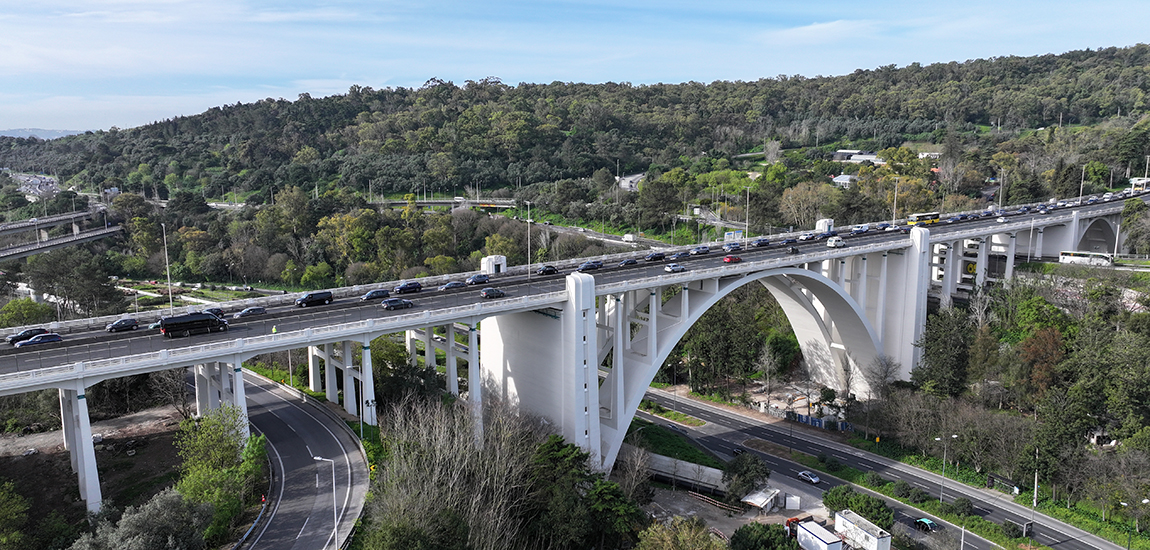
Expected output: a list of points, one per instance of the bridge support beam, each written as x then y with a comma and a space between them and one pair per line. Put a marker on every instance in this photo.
367, 384
238, 396
474, 379
1011, 249
452, 370
350, 401
314, 381
331, 389
74, 404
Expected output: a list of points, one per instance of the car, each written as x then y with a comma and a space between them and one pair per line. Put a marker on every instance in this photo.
628, 261
732, 247
1001, 219
785, 242
806, 236
882, 226
760, 242
655, 257
25, 334
319, 297
836, 242
679, 256
738, 451
40, 339
396, 303
213, 310
731, 259
248, 312
478, 279
926, 525
410, 286
826, 235
809, 477
792, 250
891, 228
160, 322
589, 265
491, 293
860, 229
377, 294
547, 270
451, 284
700, 250
122, 324
674, 268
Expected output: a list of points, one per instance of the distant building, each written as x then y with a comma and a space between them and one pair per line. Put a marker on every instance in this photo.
857, 156
935, 156
845, 181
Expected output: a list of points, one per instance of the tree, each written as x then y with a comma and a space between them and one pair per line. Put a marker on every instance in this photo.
743, 475
614, 516
167, 521
170, 386
761, 536
680, 534
13, 516
802, 204
945, 351
23, 311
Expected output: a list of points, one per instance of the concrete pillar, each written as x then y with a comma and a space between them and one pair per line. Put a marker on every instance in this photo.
84, 450
1038, 244
474, 380
43, 235
622, 335
239, 396
429, 348
314, 380
863, 283
982, 264
880, 305
409, 341
331, 389
67, 412
842, 273
452, 371
652, 324
350, 401
212, 373
1011, 247
75, 228
952, 271
367, 379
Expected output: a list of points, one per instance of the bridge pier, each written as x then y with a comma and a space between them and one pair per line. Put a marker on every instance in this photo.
78, 440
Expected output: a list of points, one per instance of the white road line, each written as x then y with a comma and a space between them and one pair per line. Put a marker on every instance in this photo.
302, 528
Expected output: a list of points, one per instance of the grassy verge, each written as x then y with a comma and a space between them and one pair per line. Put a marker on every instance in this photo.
665, 442
278, 374
659, 410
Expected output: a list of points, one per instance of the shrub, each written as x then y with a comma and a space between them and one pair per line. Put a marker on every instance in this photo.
873, 479
1011, 530
833, 464
901, 489
918, 496
962, 507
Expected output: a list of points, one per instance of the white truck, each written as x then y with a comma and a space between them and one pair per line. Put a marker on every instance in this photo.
812, 536
629, 238
860, 533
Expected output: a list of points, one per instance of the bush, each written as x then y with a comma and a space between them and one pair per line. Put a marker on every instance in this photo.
833, 464
918, 496
1011, 530
901, 489
873, 479
962, 507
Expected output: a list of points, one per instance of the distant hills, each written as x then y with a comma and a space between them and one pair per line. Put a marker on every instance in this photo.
39, 133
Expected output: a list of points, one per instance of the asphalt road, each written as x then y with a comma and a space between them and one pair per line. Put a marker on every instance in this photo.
303, 507
726, 429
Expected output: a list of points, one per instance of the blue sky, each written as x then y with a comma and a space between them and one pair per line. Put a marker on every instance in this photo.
94, 64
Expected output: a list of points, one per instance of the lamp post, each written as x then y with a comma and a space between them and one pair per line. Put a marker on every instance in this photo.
528, 240
334, 514
1081, 184
1145, 501
942, 487
168, 267
747, 229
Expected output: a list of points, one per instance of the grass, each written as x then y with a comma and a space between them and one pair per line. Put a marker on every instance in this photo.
279, 374
662, 441
659, 410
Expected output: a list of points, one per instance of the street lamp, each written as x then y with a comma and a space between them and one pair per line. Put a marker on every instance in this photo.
528, 239
1081, 184
1145, 501
747, 230
168, 267
942, 487
334, 515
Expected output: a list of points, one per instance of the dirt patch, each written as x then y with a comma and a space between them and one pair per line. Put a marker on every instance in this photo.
668, 503
136, 459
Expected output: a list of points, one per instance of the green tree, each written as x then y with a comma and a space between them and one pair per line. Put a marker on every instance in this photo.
945, 351
615, 517
838, 498
13, 516
681, 534
762, 536
746, 473
24, 311
167, 521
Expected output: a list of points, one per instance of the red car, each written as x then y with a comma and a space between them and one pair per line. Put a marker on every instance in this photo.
731, 259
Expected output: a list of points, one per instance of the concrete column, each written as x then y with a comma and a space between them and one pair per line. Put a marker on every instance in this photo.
1011, 247
653, 324
880, 306
239, 397
212, 373
314, 380
1038, 244
67, 412
982, 264
227, 395
842, 278
43, 234
452, 372
951, 272
199, 374
75, 228
329, 370
367, 378
409, 341
350, 401
622, 334
429, 348
474, 380
85, 450
862, 284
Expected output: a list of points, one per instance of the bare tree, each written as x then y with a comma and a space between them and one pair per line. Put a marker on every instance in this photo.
171, 386
881, 373
772, 150
768, 367
633, 472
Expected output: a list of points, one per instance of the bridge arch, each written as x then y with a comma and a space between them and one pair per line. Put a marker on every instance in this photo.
1099, 235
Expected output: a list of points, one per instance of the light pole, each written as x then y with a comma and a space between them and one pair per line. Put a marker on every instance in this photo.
1081, 184
334, 514
1145, 501
942, 487
528, 240
168, 267
747, 230
894, 210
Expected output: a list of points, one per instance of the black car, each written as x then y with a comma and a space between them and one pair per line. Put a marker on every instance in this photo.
25, 334
478, 279
589, 265
788, 241
655, 257
679, 256
826, 235
377, 294
410, 286
792, 250
249, 312
451, 284
314, 298
397, 303
214, 311
547, 270
40, 339
628, 261
123, 324
491, 293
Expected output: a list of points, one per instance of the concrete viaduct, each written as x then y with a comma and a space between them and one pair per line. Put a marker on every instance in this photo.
581, 349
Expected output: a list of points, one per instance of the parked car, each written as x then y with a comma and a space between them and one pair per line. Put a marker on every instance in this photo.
40, 339
122, 324
478, 279
491, 293
926, 525
809, 477
674, 268
410, 286
731, 259
628, 261
397, 303
25, 334
249, 312
451, 284
700, 250
655, 257
679, 256
377, 294
547, 270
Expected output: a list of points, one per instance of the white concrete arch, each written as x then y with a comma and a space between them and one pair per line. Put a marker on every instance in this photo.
1098, 235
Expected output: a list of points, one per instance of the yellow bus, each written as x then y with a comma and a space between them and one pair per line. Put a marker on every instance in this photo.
922, 218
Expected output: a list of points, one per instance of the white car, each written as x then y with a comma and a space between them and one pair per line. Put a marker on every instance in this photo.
809, 477
836, 242
1001, 219
674, 268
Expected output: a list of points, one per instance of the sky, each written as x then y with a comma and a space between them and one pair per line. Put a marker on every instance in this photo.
95, 64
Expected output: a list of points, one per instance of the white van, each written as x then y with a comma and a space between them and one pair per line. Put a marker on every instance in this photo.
836, 242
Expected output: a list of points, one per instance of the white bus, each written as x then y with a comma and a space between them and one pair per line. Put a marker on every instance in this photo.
1086, 258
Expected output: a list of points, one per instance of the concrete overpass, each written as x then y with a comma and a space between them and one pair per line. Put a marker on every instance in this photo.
25, 250
544, 346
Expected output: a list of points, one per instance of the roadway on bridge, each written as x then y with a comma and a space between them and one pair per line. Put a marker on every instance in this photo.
97, 345
994, 506
303, 506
